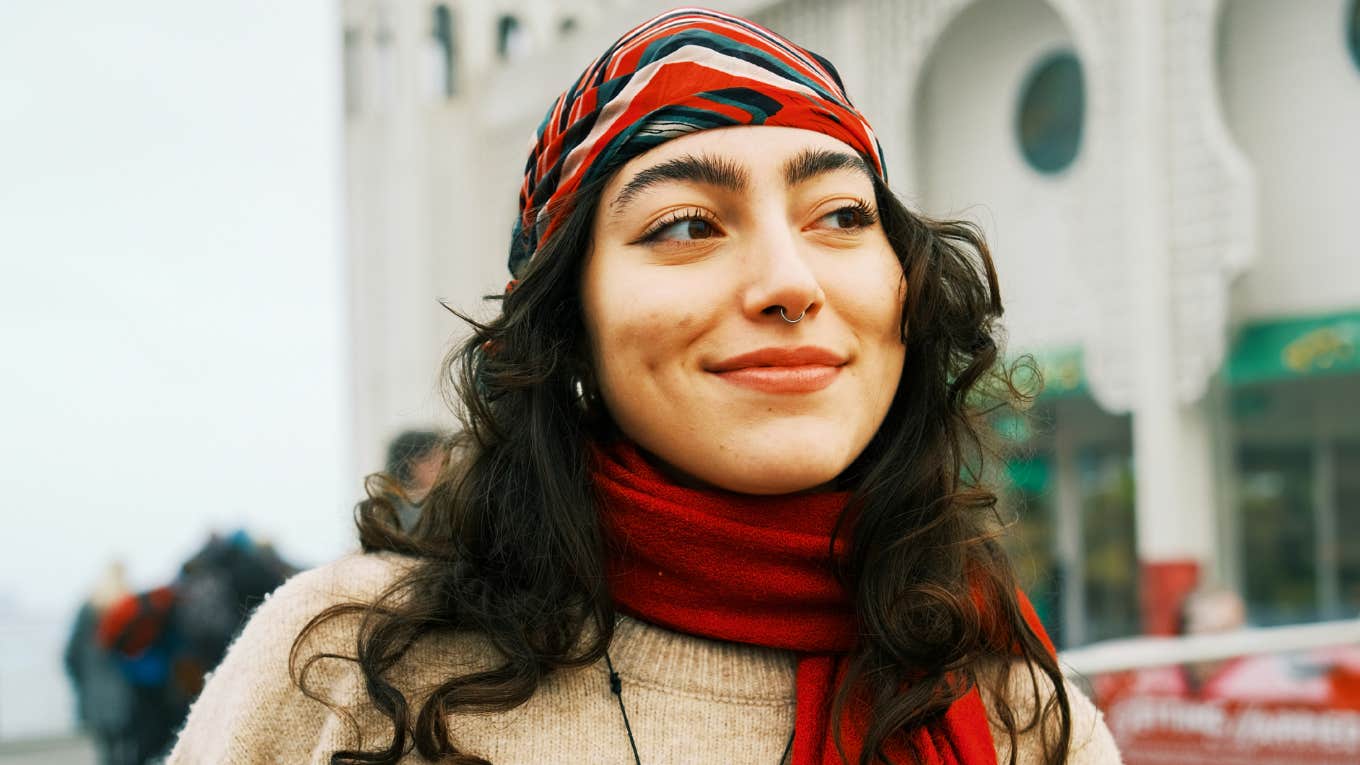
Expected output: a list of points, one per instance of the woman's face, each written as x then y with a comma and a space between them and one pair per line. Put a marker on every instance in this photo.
697, 245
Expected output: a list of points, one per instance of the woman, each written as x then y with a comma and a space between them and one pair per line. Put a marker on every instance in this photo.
717, 499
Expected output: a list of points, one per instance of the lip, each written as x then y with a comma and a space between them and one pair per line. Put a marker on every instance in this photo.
803, 369
800, 356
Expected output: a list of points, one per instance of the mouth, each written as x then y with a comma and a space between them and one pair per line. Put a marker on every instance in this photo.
801, 379
804, 369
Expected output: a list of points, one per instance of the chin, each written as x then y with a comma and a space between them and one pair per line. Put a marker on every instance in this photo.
786, 455
776, 473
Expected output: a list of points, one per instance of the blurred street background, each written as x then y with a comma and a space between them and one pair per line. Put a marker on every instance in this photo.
226, 231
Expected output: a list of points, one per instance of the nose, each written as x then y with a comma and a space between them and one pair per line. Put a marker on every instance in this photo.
780, 278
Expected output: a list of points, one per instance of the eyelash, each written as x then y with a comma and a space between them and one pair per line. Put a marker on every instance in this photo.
670, 219
867, 215
865, 212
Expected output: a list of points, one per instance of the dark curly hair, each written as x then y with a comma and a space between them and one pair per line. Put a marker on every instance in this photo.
509, 545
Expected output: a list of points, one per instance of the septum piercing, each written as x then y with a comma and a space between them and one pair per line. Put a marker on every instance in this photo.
785, 316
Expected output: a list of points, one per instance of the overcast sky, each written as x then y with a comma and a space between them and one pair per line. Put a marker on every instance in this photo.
171, 291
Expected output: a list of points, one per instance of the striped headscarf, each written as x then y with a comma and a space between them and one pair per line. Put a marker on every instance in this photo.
683, 71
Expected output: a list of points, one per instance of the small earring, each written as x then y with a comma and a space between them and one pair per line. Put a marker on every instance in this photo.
586, 394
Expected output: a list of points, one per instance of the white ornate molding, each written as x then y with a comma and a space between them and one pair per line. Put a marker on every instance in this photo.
1209, 216
1211, 186
901, 39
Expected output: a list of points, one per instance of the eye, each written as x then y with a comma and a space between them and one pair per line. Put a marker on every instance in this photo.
849, 218
685, 226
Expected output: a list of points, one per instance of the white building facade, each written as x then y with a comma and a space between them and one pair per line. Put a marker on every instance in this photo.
1168, 187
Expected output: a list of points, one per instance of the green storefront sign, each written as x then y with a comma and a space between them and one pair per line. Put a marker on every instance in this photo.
1270, 351
1063, 371
1292, 348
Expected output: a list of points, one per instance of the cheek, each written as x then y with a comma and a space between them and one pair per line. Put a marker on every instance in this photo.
636, 331
642, 365
872, 303
628, 333
872, 299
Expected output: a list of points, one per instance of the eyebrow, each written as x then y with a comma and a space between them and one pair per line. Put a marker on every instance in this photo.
728, 175
709, 171
810, 163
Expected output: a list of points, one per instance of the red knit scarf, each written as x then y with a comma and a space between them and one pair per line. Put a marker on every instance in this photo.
753, 569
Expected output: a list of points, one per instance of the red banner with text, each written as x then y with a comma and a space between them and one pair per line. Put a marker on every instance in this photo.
1274, 709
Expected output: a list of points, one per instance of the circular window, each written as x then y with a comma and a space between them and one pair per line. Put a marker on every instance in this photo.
1353, 32
1052, 104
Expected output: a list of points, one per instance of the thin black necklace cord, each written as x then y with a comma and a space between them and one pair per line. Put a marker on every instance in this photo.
616, 687
788, 747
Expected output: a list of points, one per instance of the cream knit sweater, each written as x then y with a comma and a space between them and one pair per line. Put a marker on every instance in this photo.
689, 700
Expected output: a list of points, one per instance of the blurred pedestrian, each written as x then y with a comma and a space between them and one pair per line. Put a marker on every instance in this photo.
103, 695
218, 587
138, 660
1210, 610
414, 459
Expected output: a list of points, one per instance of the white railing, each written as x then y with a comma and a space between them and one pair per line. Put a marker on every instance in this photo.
1147, 652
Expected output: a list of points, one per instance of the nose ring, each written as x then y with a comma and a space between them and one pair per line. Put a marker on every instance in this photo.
785, 316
